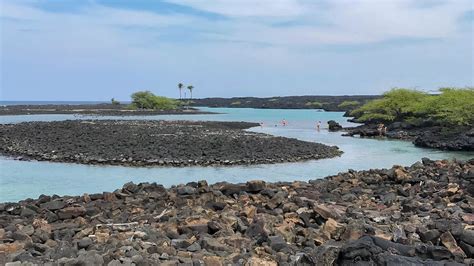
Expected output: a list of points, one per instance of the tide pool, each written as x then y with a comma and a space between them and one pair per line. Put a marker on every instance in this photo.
23, 179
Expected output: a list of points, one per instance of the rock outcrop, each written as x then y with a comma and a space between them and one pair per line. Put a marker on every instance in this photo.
417, 215
159, 143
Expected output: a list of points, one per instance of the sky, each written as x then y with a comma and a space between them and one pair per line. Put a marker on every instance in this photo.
99, 49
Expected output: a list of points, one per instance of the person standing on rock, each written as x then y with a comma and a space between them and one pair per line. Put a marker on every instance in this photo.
381, 128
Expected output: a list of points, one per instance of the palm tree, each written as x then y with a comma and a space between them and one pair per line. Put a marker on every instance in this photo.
180, 87
190, 88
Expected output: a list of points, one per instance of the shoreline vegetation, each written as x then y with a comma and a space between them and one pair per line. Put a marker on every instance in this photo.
145, 102
142, 103
154, 143
443, 121
416, 215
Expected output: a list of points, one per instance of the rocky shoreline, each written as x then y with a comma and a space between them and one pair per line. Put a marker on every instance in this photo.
416, 215
90, 109
153, 143
327, 103
459, 138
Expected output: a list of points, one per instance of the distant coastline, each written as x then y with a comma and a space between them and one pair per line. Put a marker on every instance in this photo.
324, 102
2, 103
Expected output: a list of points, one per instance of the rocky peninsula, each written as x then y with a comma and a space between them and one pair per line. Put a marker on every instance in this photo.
153, 143
416, 215
459, 138
103, 109
443, 121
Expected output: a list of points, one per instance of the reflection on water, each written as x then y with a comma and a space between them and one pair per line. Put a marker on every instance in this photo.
20, 179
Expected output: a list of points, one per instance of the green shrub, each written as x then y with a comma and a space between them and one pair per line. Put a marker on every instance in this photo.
314, 104
452, 106
235, 103
148, 100
349, 104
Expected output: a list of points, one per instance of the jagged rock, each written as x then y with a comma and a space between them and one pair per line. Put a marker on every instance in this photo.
212, 244
468, 236
186, 190
449, 242
277, 243
53, 205
405, 215
71, 212
334, 126
255, 186
85, 242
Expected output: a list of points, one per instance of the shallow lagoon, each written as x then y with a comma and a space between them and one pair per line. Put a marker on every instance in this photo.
22, 179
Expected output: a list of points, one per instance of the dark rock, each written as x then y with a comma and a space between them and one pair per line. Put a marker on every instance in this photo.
231, 189
255, 186
468, 236
53, 205
180, 243
277, 243
216, 206
84, 243
257, 230
186, 190
334, 126
344, 219
468, 249
212, 245
27, 212
71, 212
194, 247
146, 142
389, 198
429, 235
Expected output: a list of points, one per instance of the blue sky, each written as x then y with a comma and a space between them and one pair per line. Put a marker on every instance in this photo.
99, 49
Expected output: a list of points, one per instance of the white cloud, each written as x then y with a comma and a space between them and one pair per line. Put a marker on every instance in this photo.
247, 8
335, 22
132, 49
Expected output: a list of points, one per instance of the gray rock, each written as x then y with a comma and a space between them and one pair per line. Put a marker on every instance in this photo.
194, 247
84, 243
186, 190
212, 244
90, 258
53, 205
277, 243
255, 186
468, 236
180, 243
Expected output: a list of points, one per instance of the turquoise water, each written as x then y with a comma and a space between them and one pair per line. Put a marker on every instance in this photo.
21, 179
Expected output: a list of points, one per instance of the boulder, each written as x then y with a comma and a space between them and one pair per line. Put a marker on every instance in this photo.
71, 212
334, 126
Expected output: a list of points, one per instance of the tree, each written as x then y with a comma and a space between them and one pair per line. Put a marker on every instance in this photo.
148, 100
180, 87
349, 104
396, 105
190, 88
453, 106
114, 102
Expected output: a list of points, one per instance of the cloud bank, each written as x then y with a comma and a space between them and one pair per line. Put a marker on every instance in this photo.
95, 50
